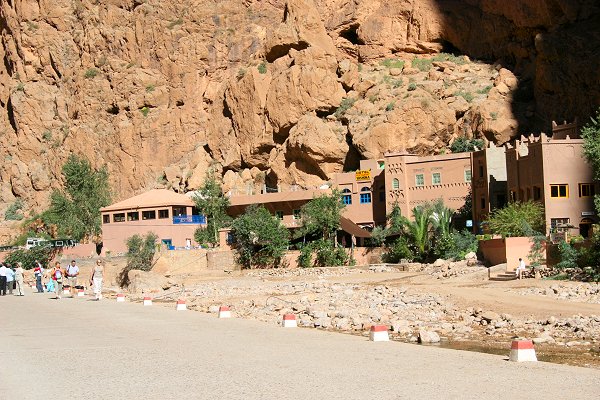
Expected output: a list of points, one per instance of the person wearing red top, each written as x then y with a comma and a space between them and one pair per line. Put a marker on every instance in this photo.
57, 276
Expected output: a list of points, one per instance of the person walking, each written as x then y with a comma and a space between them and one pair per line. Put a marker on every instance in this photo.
3, 273
19, 279
57, 278
39, 274
10, 279
72, 273
96, 279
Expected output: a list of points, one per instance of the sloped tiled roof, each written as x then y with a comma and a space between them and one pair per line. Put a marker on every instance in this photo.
152, 198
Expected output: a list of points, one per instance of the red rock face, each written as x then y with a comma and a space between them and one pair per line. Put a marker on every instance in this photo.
274, 91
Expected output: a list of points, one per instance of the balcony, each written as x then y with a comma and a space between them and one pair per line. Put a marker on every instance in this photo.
190, 219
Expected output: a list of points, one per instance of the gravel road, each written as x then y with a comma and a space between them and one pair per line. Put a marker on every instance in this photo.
77, 348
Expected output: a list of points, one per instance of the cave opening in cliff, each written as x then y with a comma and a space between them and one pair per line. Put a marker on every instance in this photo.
11, 115
351, 34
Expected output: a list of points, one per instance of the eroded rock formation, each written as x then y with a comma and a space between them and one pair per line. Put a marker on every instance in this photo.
276, 92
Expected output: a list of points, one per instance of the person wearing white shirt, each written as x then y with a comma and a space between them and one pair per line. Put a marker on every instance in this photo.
3, 272
72, 271
520, 269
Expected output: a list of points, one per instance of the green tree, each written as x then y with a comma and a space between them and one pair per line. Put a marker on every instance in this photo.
213, 204
12, 212
462, 145
140, 255
441, 217
76, 209
518, 219
568, 256
260, 238
419, 230
591, 149
321, 216
28, 257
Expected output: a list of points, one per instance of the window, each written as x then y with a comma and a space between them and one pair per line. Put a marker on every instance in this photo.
149, 214
230, 239
346, 196
436, 178
481, 171
420, 180
381, 164
179, 211
365, 196
162, 214
395, 184
467, 175
558, 224
133, 216
483, 203
587, 190
537, 193
106, 219
119, 217
297, 214
279, 215
559, 191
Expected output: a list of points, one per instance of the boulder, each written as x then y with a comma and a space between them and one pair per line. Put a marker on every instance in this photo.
490, 316
147, 281
426, 336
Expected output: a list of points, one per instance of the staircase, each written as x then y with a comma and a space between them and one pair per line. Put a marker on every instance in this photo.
505, 276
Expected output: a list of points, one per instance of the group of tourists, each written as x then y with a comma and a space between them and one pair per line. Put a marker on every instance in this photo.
13, 278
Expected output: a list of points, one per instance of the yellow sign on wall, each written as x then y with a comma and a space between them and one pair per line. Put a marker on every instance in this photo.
363, 175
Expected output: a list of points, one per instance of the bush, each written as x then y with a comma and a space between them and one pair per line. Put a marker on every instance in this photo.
390, 106
262, 68
305, 257
518, 219
462, 145
91, 73
412, 86
260, 238
392, 63
12, 212
456, 245
345, 105
28, 257
468, 96
397, 251
326, 255
568, 256
145, 110
140, 255
150, 88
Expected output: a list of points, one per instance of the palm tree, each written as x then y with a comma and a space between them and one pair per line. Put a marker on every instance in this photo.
441, 217
419, 229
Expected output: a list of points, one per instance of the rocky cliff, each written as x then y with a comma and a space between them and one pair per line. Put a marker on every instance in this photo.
277, 92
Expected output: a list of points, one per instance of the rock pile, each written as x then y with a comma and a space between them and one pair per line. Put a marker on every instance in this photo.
580, 292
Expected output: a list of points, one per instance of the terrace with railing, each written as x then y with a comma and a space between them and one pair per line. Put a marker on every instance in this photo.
190, 219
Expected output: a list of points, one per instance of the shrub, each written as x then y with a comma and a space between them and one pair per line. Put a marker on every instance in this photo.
91, 73
485, 90
568, 256
468, 96
456, 245
345, 105
150, 88
241, 73
326, 255
412, 86
422, 64
47, 136
462, 145
174, 23
397, 251
390, 106
12, 212
494, 115
262, 68
20, 87
305, 257
260, 238
140, 255
29, 257
145, 111
518, 219
397, 83
392, 63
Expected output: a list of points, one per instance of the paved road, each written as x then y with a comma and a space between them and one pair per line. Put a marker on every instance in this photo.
80, 349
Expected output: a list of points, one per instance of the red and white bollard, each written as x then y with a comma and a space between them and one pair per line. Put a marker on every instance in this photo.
289, 321
522, 350
147, 301
66, 291
224, 312
181, 305
379, 333
80, 293
120, 298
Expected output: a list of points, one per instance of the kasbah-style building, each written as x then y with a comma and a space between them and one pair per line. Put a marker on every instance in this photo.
549, 169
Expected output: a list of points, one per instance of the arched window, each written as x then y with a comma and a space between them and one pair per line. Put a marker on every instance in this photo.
365, 195
346, 196
395, 184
